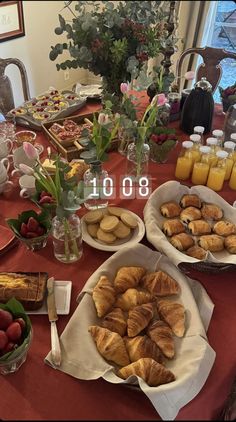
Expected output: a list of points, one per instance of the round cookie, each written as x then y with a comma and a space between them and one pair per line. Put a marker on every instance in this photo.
115, 211
129, 220
105, 237
92, 229
109, 223
122, 231
93, 217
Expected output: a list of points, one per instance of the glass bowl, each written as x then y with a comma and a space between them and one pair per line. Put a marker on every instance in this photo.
25, 136
35, 243
12, 365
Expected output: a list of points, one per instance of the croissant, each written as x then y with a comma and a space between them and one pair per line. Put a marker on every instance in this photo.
115, 321
142, 347
132, 298
139, 317
128, 277
162, 335
160, 283
174, 314
104, 296
110, 345
152, 372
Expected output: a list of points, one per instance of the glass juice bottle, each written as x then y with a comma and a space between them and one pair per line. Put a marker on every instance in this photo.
199, 130
232, 180
196, 139
219, 135
217, 173
184, 162
212, 143
233, 139
229, 148
201, 169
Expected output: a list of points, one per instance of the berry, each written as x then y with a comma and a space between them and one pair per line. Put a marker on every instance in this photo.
5, 319
3, 339
32, 224
9, 347
23, 229
21, 321
14, 332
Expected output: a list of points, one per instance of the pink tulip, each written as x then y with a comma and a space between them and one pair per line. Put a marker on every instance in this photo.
30, 151
124, 87
26, 169
161, 99
189, 75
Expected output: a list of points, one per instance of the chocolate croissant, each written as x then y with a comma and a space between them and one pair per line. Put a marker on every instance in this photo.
211, 212
104, 296
211, 242
199, 227
152, 372
182, 241
139, 318
190, 214
142, 347
160, 283
110, 345
224, 228
128, 277
173, 226
196, 252
230, 243
162, 335
115, 321
132, 298
173, 314
190, 200
170, 209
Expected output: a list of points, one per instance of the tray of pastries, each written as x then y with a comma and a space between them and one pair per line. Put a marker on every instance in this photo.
48, 106
193, 225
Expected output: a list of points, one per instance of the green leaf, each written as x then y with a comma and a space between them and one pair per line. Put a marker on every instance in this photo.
62, 22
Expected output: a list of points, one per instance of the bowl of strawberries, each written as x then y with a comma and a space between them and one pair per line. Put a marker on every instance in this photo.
31, 228
161, 142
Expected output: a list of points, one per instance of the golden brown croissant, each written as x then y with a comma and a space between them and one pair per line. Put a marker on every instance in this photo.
190, 200
224, 228
142, 347
199, 227
152, 372
128, 277
104, 296
211, 242
110, 345
173, 226
162, 335
174, 314
139, 318
115, 321
190, 214
230, 243
170, 209
211, 212
182, 241
196, 252
160, 283
132, 298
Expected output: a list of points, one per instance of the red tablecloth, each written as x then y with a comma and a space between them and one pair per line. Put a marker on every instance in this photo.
39, 392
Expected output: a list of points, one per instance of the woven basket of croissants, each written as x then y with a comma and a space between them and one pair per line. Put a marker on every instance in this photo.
139, 317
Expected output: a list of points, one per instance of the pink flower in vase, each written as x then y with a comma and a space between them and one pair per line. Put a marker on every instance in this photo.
124, 87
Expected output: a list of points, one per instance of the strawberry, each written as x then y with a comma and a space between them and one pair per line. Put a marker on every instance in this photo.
23, 229
44, 193
46, 200
32, 224
40, 231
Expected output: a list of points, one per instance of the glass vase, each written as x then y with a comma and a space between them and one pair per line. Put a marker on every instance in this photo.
163, 117
67, 238
137, 164
125, 140
94, 186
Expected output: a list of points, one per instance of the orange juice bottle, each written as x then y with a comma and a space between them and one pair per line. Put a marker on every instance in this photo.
199, 130
201, 169
196, 139
233, 139
229, 148
217, 173
212, 143
232, 180
219, 135
184, 162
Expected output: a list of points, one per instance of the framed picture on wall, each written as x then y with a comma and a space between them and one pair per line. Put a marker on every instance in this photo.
11, 20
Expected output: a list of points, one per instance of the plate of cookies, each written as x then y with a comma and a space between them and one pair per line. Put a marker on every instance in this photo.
191, 225
110, 228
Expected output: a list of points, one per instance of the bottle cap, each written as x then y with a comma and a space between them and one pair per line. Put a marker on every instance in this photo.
205, 149
229, 144
187, 144
233, 137
195, 137
199, 129
211, 141
222, 154
218, 133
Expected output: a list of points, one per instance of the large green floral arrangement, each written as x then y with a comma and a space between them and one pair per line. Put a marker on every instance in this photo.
112, 40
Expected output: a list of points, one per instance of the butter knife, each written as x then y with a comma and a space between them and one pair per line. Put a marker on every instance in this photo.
52, 316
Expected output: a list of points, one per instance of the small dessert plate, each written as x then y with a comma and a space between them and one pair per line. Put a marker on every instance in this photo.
62, 298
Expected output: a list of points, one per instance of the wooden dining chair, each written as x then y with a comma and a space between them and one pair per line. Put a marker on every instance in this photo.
210, 68
6, 92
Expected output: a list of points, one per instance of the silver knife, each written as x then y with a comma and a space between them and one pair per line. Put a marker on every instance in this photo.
52, 315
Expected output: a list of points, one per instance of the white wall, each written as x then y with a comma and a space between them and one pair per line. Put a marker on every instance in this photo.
40, 18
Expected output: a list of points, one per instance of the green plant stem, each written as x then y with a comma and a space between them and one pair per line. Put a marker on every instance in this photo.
67, 250
74, 245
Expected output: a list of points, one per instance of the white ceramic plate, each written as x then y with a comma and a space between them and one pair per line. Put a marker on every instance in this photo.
134, 238
62, 299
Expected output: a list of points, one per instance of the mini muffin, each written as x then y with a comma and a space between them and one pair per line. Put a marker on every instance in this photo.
211, 212
196, 252
189, 214
182, 241
230, 243
224, 228
170, 209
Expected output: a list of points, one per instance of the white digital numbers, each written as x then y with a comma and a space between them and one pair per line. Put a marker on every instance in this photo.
126, 188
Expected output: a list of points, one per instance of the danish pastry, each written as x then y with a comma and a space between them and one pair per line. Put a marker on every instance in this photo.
224, 228
189, 214
196, 252
230, 243
182, 241
199, 227
190, 200
173, 226
211, 242
170, 209
211, 212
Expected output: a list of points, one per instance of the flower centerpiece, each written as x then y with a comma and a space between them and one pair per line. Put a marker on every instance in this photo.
228, 96
112, 39
161, 141
68, 196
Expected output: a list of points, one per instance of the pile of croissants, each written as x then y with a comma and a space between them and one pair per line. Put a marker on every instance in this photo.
138, 319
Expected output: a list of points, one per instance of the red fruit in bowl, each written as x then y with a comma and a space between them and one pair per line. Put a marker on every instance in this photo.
6, 319
22, 323
14, 331
23, 229
154, 137
32, 224
44, 193
9, 347
3, 339
31, 235
163, 137
40, 231
46, 200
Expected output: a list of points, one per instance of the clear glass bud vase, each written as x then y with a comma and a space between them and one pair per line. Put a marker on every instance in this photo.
137, 164
67, 238
94, 186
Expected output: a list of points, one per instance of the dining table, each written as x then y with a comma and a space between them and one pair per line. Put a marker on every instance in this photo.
39, 392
